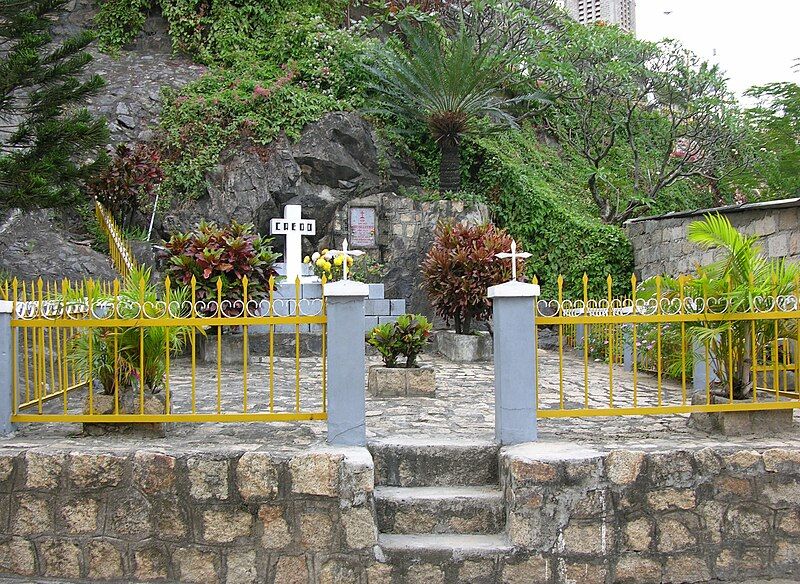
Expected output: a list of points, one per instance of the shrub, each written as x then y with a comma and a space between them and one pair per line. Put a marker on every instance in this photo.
228, 254
737, 283
407, 336
137, 298
129, 183
368, 270
459, 269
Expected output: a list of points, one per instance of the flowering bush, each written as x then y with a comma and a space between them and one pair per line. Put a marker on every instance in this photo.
326, 266
226, 254
459, 269
407, 336
129, 183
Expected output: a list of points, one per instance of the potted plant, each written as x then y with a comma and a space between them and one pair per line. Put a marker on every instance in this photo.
457, 273
128, 364
216, 260
738, 282
407, 337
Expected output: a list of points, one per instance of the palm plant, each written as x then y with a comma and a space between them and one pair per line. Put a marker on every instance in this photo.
447, 84
742, 280
136, 355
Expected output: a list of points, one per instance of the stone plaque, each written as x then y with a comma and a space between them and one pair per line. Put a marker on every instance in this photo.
363, 227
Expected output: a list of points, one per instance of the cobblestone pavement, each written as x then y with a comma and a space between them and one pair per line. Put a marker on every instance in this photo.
463, 409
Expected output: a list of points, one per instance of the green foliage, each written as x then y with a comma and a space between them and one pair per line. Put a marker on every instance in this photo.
407, 336
218, 32
738, 282
119, 22
368, 270
383, 339
306, 71
223, 31
445, 85
52, 144
459, 269
656, 105
776, 123
534, 195
93, 349
218, 259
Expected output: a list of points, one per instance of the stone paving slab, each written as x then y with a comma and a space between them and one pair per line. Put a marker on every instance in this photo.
463, 409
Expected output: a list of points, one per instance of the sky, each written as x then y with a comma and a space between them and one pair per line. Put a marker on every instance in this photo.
756, 42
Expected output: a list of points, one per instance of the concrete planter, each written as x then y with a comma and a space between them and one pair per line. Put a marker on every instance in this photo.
401, 381
102, 404
232, 348
760, 422
465, 348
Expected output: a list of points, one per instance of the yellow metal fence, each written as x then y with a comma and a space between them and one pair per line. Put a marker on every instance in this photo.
118, 247
590, 375
129, 352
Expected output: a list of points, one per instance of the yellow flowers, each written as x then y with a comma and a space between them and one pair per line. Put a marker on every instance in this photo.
326, 266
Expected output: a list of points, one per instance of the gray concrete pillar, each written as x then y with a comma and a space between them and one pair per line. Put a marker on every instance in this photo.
346, 363
627, 351
699, 371
513, 321
6, 367
579, 332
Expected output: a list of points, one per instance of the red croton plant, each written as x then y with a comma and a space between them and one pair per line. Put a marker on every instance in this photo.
229, 253
129, 183
459, 269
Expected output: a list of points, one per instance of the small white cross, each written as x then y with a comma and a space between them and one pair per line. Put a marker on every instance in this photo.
514, 257
345, 253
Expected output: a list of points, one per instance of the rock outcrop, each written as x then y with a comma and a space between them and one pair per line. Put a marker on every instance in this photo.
336, 163
35, 243
336, 160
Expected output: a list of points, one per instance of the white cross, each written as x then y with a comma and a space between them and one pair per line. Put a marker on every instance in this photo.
514, 257
345, 253
294, 228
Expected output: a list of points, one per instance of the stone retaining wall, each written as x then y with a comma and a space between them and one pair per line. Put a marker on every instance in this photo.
630, 516
660, 245
574, 515
190, 517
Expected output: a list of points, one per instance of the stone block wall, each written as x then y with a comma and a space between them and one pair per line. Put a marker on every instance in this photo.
660, 245
406, 229
628, 516
573, 514
144, 515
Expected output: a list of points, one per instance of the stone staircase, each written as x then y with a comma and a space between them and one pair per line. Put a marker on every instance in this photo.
440, 510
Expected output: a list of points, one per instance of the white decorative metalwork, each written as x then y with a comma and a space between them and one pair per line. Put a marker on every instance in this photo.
345, 253
523, 255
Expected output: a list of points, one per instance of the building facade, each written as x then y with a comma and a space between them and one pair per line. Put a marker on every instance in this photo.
619, 12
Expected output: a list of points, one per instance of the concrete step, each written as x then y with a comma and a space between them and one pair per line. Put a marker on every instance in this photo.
426, 463
440, 510
398, 549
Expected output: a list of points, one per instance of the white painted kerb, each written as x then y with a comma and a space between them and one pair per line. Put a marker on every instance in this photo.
514, 289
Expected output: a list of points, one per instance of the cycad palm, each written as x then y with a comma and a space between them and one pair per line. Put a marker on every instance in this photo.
446, 84
739, 281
